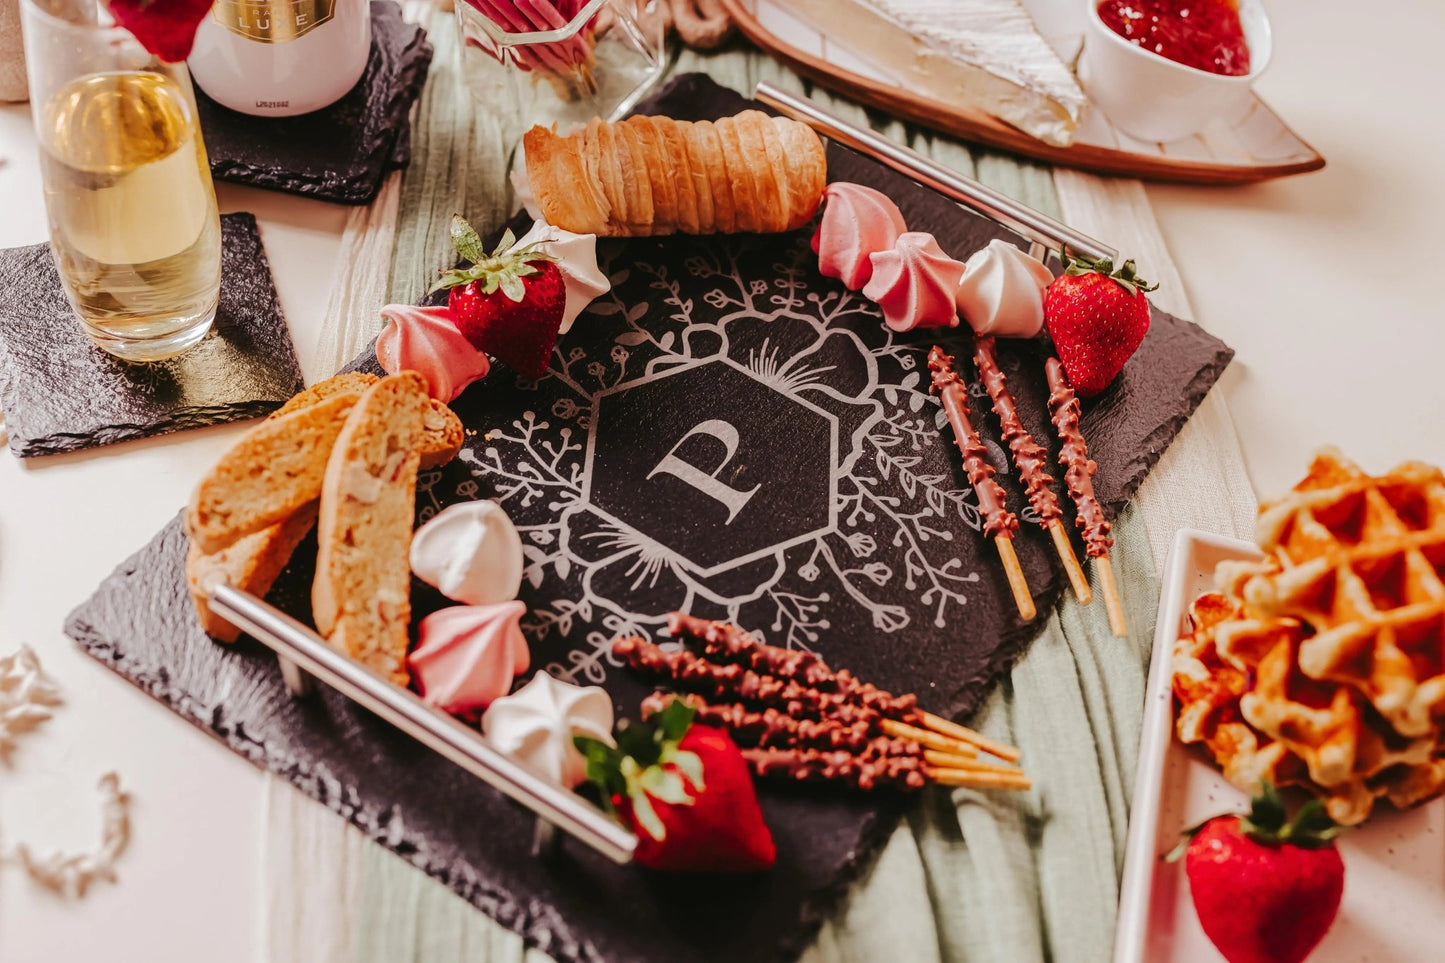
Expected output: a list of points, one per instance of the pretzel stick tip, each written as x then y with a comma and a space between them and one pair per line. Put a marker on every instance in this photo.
1082, 592
1112, 601
966, 779
1016, 582
942, 760
965, 734
901, 730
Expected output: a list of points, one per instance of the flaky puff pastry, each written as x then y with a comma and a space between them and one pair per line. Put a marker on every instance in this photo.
654, 175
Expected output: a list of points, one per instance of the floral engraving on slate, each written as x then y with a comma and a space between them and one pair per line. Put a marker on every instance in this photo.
865, 518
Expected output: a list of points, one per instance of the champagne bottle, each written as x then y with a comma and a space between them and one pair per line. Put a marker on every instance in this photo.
279, 58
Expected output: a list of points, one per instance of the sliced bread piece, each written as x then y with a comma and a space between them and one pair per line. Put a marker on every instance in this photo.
361, 595
250, 564
264, 478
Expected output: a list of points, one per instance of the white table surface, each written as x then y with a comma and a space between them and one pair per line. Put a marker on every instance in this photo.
1325, 284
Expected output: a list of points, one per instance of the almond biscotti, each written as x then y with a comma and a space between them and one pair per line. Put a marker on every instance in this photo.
654, 175
361, 595
250, 564
442, 435
266, 477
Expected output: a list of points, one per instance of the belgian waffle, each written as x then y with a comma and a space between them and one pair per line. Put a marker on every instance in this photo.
1322, 664
1361, 561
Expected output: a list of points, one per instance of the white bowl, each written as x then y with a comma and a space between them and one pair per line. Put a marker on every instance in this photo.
1154, 98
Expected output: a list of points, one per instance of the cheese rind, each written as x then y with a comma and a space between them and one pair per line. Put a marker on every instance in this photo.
980, 53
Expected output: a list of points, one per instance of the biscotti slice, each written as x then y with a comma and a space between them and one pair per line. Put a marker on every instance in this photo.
349, 383
442, 435
250, 564
264, 478
361, 596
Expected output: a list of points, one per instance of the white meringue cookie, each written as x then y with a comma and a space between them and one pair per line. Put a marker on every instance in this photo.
471, 553
1002, 291
576, 256
534, 726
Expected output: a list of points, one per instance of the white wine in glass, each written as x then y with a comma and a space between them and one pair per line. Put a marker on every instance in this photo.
133, 220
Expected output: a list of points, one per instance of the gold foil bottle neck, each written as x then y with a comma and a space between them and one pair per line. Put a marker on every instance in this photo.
272, 21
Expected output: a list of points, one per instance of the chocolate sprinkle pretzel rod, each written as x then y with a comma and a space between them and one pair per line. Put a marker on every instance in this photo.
1079, 476
727, 683
729, 643
999, 523
1032, 461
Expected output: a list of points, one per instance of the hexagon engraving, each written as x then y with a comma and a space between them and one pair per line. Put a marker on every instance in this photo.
712, 464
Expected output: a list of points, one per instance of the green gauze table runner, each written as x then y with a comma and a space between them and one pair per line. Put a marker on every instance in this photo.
974, 876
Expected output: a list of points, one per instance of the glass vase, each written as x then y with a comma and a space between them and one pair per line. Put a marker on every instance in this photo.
593, 59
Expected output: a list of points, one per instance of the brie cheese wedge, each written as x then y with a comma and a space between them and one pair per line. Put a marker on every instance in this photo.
974, 53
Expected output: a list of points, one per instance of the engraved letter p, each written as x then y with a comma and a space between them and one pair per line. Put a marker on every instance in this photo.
706, 482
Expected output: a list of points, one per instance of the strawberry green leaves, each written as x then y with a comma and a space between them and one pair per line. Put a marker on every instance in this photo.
503, 269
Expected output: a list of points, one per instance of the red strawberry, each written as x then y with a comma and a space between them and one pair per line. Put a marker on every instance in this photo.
509, 303
166, 28
1266, 889
1097, 317
686, 791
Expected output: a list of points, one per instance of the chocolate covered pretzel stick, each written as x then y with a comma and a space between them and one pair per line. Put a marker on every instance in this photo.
999, 523
811, 765
1079, 471
1031, 459
769, 728
725, 682
728, 643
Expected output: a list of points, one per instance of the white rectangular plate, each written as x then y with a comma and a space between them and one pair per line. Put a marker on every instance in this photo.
1394, 904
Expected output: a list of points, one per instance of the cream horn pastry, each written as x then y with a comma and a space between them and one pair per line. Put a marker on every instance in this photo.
470, 552
857, 223
426, 341
1029, 457
915, 283
1002, 291
998, 521
647, 176
534, 726
1079, 468
467, 655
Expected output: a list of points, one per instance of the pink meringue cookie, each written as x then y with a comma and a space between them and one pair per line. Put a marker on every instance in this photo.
857, 221
426, 341
1002, 291
915, 283
467, 655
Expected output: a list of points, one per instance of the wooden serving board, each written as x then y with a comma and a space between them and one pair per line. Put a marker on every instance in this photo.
1257, 147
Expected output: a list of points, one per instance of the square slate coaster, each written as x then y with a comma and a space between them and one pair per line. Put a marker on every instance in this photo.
339, 153
61, 393
861, 541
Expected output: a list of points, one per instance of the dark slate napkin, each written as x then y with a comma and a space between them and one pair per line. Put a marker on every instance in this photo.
832, 431
61, 393
339, 153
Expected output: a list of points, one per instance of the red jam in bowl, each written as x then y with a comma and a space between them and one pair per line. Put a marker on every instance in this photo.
1205, 34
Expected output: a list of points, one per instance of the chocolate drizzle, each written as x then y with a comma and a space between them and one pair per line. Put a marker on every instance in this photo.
728, 643
1078, 467
1030, 457
696, 674
998, 521
863, 771
770, 728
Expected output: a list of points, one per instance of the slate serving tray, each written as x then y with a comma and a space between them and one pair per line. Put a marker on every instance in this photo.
341, 152
61, 393
860, 539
